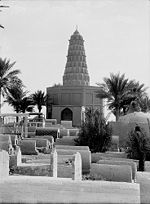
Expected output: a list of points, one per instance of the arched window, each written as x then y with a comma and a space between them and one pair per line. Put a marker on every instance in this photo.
66, 114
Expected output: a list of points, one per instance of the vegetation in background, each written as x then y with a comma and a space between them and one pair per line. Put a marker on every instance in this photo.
145, 104
39, 99
19, 100
120, 92
94, 132
8, 78
138, 146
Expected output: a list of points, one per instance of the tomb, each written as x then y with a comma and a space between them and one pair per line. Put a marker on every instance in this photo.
67, 102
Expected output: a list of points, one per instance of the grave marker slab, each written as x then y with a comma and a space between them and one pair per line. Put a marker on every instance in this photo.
53, 163
77, 167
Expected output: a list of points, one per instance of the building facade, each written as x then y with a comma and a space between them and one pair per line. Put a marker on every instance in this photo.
68, 101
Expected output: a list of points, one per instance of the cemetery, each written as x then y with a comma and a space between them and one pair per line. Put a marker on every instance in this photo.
79, 175
64, 159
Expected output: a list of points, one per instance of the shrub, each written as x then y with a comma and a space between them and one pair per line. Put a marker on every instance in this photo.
94, 132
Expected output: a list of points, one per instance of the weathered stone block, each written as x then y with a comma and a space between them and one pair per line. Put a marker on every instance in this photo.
118, 173
64, 132
85, 155
73, 132
28, 147
33, 169
120, 163
66, 140
67, 147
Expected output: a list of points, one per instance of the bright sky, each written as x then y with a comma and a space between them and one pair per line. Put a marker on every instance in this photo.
116, 34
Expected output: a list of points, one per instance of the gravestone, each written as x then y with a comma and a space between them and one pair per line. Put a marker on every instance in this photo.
77, 167
119, 162
15, 159
122, 173
4, 165
53, 164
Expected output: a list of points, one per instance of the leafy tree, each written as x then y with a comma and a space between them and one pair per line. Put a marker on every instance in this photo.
8, 78
94, 132
119, 92
138, 146
18, 100
39, 99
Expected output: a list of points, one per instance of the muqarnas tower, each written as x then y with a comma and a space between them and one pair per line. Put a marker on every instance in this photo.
68, 101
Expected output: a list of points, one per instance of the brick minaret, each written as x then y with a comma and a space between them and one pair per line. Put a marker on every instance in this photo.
76, 73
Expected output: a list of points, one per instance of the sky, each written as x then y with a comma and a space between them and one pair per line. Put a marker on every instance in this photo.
36, 34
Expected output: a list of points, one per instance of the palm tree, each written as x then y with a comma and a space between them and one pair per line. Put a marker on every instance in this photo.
39, 99
26, 104
8, 78
137, 93
145, 104
114, 89
120, 92
19, 101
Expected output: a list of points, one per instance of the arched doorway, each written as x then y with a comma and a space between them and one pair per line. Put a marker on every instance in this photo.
66, 114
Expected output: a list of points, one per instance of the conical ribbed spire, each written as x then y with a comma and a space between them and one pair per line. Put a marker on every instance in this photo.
76, 73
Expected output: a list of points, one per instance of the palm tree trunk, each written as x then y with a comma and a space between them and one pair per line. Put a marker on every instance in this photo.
117, 114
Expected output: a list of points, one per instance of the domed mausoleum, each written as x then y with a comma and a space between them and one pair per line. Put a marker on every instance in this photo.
68, 101
127, 123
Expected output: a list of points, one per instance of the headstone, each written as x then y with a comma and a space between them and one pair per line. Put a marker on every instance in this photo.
15, 159
19, 157
4, 165
85, 155
77, 167
53, 164
115, 162
119, 173
28, 147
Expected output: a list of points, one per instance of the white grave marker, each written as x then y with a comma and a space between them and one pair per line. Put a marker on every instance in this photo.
54, 163
77, 167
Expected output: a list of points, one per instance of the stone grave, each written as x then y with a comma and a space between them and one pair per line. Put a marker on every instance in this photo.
4, 165
77, 167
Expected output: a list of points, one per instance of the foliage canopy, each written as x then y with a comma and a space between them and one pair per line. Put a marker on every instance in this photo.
94, 132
